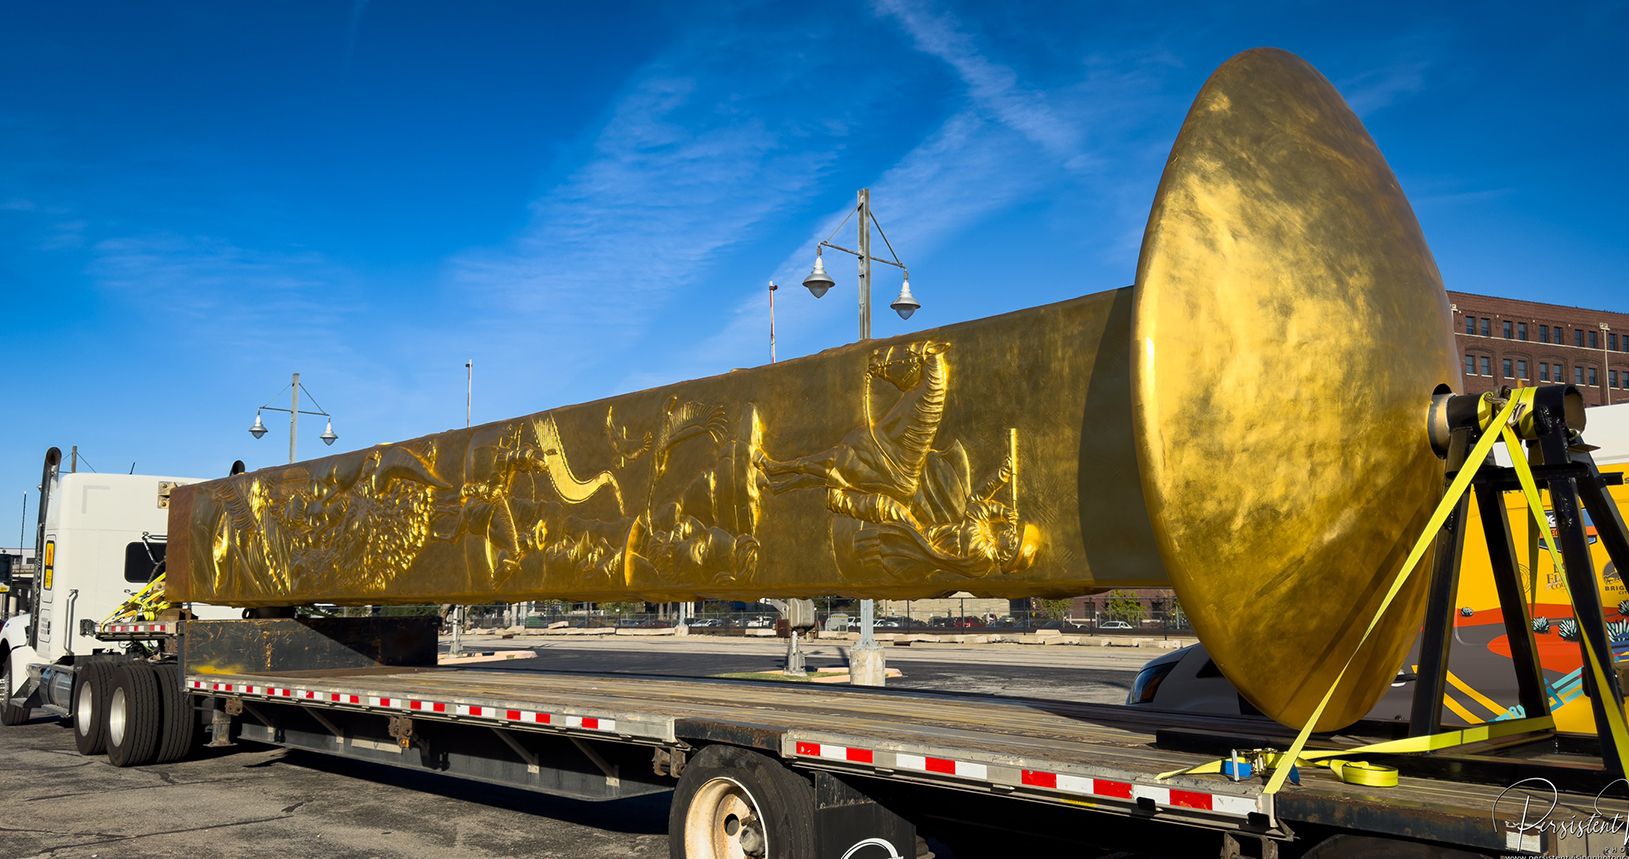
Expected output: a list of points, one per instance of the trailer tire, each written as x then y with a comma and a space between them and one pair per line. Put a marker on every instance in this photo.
178, 731
91, 684
9, 714
730, 799
133, 715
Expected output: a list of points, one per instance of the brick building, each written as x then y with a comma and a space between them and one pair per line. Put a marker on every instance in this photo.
1504, 341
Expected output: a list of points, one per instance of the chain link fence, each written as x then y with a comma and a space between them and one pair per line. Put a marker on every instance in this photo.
1118, 616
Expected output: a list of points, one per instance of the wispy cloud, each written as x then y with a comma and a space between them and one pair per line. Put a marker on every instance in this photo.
1379, 88
691, 158
992, 87
210, 284
352, 27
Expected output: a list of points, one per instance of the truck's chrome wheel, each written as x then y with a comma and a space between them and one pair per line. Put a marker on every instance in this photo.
117, 714
724, 823
85, 708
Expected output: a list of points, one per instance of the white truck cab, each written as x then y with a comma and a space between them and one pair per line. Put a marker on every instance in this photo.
102, 539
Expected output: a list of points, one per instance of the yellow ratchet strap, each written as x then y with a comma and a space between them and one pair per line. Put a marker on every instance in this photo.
1462, 481
1378, 775
1614, 709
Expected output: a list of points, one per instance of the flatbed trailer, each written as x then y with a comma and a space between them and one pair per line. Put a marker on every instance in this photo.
598, 736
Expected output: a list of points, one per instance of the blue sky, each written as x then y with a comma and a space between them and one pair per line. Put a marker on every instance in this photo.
197, 199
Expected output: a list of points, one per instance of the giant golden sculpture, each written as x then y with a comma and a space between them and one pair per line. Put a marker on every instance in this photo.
1246, 423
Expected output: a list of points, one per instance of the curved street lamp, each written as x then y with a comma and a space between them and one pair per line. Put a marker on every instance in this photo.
258, 428
818, 281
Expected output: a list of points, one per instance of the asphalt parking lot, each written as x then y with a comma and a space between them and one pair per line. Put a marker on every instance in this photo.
258, 801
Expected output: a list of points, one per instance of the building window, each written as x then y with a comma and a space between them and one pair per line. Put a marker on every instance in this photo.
1612, 378
1557, 339
1486, 365
1507, 368
1521, 368
1509, 330
1485, 324
1592, 376
1612, 340
1470, 324
1578, 375
1594, 339
1470, 365
1544, 333
1578, 337
1521, 331
1560, 370
1544, 372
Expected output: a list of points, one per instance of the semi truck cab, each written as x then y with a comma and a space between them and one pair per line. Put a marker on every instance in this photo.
101, 539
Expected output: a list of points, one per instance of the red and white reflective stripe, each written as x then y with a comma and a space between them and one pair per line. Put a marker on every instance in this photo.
591, 723
486, 712
836, 753
1169, 797
130, 628
943, 766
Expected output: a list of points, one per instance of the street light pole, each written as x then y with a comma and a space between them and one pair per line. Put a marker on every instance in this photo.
772, 287
294, 418
865, 265
866, 663
258, 429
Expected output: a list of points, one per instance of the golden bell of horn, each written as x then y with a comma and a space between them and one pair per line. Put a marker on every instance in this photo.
1247, 423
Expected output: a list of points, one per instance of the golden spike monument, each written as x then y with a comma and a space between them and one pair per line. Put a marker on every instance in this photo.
1247, 423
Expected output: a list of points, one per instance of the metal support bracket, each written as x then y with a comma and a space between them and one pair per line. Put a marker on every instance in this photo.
520, 751
612, 777
339, 736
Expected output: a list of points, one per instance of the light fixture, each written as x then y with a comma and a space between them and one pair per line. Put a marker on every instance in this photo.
818, 280
328, 436
906, 304
259, 429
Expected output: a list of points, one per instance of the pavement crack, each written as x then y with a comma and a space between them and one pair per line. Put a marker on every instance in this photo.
292, 808
114, 839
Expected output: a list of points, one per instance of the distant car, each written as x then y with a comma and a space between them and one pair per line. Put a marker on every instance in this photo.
1188, 680
761, 622
1114, 624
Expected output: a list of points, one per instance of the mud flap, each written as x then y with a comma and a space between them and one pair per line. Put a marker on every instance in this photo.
851, 825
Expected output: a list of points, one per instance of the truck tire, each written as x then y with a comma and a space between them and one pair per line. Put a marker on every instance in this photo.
91, 684
732, 802
133, 715
9, 714
178, 731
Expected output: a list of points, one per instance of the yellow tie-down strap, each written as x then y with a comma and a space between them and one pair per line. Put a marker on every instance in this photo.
1495, 427
1379, 775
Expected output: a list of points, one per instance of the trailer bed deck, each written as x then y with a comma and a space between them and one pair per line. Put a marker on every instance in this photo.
1100, 757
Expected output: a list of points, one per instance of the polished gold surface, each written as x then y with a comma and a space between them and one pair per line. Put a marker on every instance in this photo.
949, 460
1252, 416
1290, 328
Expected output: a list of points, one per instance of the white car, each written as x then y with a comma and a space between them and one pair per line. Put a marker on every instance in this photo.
1114, 624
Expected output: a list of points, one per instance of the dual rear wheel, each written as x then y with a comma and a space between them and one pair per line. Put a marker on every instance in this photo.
136, 711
